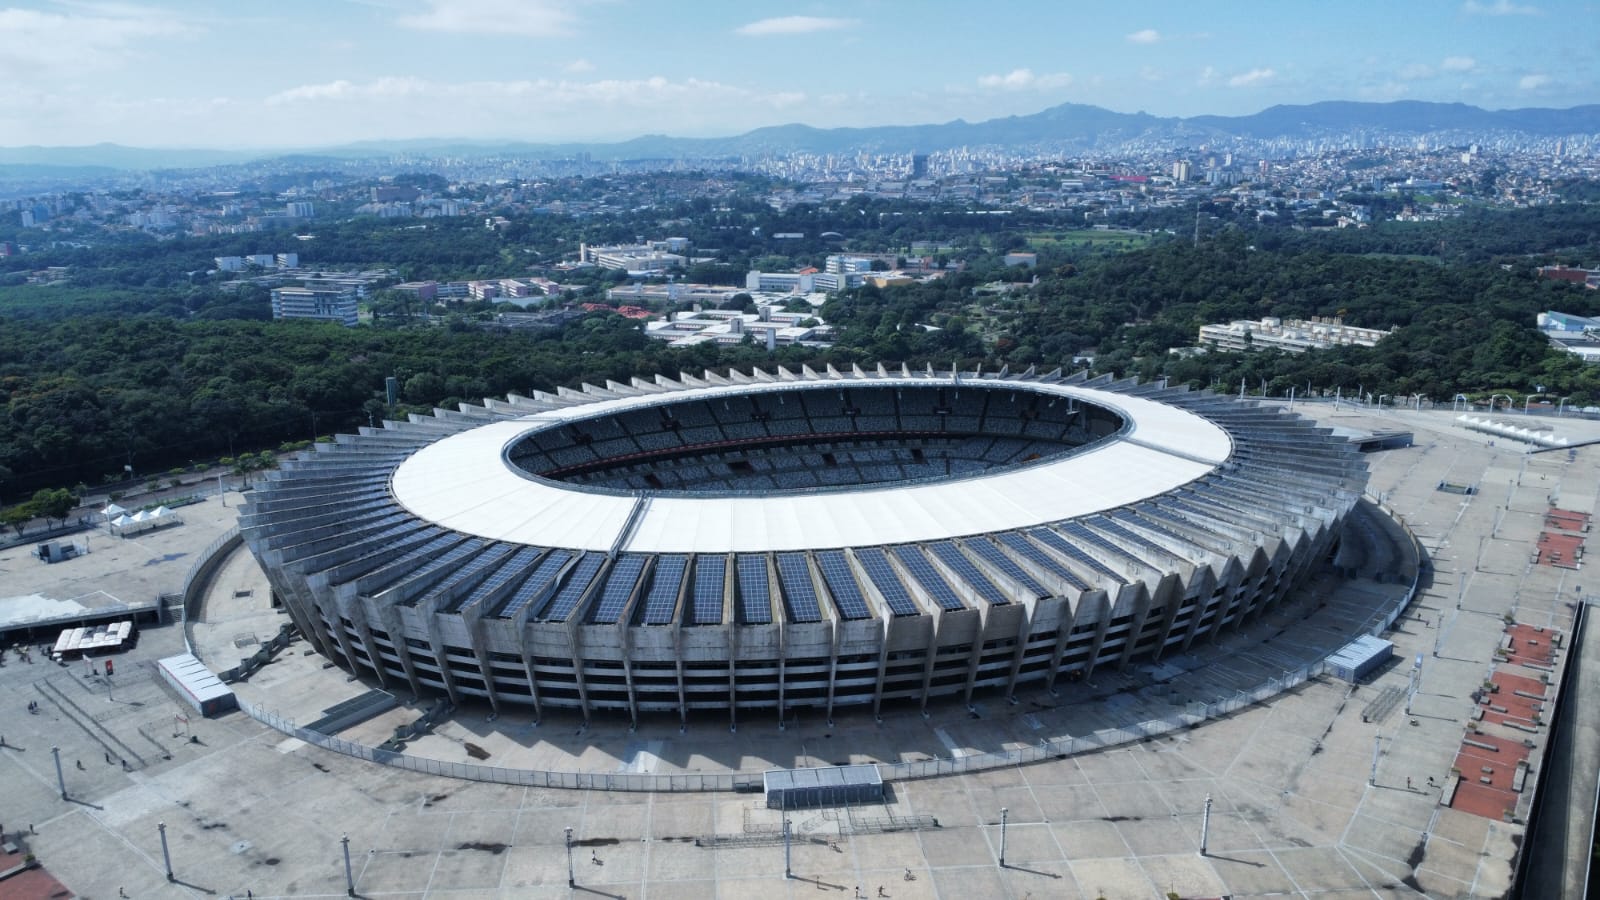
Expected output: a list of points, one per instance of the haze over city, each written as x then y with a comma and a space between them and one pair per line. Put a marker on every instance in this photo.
298, 73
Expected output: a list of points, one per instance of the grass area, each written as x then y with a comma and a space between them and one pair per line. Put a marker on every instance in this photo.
1087, 237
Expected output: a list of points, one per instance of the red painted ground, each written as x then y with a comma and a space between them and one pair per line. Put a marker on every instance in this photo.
1530, 645
1494, 798
34, 884
1568, 519
1559, 549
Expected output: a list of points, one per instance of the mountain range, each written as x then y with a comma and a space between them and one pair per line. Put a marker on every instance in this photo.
1069, 127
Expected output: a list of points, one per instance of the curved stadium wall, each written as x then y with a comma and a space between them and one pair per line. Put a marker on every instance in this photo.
786, 541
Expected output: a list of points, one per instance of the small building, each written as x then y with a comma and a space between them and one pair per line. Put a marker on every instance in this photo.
822, 786
197, 685
1359, 658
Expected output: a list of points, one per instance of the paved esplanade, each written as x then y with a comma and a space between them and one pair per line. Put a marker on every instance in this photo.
248, 808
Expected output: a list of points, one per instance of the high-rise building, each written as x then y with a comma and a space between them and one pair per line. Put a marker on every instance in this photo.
1180, 171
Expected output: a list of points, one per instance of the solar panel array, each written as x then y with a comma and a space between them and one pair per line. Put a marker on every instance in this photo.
1076, 554
1031, 552
991, 554
799, 595
842, 585
474, 570
951, 556
620, 584
662, 600
535, 585
516, 564
927, 576
1124, 534
577, 583
876, 564
710, 575
1083, 533
755, 591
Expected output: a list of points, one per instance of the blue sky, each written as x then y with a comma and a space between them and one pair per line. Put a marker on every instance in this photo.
307, 73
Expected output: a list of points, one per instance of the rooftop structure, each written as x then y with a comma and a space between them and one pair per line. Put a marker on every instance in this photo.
1578, 335
1291, 335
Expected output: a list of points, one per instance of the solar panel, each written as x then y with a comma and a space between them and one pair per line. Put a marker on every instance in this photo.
755, 593
1124, 534
535, 585
877, 567
386, 576
662, 599
1083, 533
1076, 553
573, 590
842, 585
991, 554
1030, 552
798, 593
1145, 521
710, 576
929, 577
509, 568
468, 573
620, 584
963, 567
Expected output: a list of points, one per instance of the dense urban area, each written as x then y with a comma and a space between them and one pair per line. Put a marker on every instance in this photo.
154, 322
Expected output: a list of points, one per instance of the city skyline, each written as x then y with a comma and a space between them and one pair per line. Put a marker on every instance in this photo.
184, 74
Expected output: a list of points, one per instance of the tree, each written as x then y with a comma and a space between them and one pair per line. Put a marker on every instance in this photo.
53, 503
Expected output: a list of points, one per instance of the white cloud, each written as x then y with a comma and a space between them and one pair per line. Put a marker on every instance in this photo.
793, 25
346, 90
1253, 78
1415, 72
1208, 76
1533, 82
1499, 8
1024, 80
578, 67
1145, 36
1458, 64
1151, 73
524, 18
99, 36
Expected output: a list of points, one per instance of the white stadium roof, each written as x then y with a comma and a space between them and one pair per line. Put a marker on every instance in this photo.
464, 482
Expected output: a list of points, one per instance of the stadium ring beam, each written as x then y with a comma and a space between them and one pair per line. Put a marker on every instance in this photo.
770, 543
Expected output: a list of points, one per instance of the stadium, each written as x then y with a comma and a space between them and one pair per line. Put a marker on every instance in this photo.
776, 543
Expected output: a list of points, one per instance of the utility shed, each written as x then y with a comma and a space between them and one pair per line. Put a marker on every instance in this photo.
1357, 659
822, 786
204, 691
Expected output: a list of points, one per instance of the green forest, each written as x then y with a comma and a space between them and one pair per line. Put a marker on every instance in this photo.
139, 361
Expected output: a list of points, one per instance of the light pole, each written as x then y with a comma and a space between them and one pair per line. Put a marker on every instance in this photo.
572, 880
1003, 812
61, 781
1205, 825
787, 872
165, 855
1562, 408
349, 876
